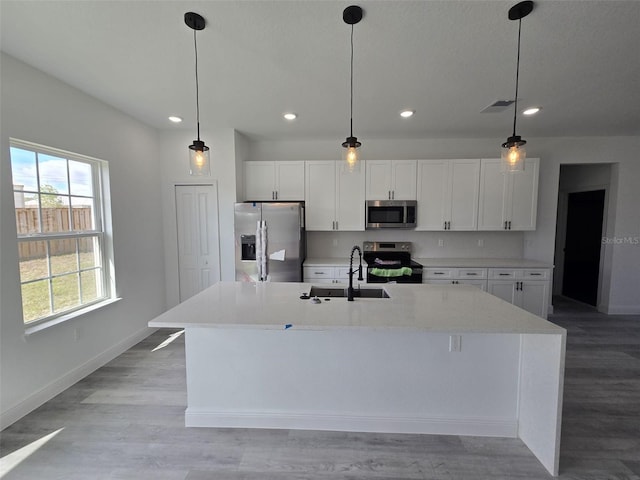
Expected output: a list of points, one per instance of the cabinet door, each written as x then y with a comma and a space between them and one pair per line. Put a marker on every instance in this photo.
463, 191
493, 190
534, 297
259, 180
504, 289
378, 179
289, 181
320, 195
350, 200
524, 196
432, 194
403, 177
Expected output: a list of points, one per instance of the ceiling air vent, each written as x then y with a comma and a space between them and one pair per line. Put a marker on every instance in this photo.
497, 106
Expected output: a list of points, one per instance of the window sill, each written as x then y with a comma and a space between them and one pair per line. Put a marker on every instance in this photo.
30, 330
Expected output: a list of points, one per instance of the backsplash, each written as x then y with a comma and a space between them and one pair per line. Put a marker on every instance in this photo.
425, 244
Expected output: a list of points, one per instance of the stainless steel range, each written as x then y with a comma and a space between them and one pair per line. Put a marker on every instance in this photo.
390, 262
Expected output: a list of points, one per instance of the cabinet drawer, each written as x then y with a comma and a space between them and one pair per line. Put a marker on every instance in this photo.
502, 273
437, 273
472, 273
535, 274
318, 272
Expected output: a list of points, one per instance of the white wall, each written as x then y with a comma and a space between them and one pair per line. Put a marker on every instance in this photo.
41, 109
227, 153
622, 261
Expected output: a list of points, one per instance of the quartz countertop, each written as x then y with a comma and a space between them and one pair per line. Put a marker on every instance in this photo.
454, 309
455, 262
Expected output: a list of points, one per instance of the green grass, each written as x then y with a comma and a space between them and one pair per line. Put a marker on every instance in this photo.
66, 288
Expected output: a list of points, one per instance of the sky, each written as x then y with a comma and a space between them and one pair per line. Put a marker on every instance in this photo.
68, 177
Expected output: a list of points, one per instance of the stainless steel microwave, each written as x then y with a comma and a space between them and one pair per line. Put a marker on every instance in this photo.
390, 214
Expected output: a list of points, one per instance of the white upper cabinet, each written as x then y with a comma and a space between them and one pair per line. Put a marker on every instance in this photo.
391, 179
508, 201
448, 194
334, 198
265, 181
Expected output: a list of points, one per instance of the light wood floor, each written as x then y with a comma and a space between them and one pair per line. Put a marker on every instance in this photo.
125, 421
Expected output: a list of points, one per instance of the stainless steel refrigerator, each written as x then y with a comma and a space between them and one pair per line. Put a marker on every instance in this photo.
270, 241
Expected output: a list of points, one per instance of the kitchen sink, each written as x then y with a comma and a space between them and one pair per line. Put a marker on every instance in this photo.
342, 292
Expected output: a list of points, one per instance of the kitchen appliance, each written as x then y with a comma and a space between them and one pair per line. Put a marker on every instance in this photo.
390, 214
270, 241
390, 262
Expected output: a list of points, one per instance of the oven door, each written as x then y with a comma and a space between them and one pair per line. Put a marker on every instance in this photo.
415, 277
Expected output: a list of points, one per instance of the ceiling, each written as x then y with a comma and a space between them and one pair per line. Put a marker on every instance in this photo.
447, 60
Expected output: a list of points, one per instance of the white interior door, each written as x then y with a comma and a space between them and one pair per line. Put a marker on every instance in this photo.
198, 239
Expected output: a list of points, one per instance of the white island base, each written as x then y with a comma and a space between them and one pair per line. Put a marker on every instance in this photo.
363, 366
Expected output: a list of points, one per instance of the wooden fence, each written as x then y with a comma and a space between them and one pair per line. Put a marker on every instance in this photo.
54, 220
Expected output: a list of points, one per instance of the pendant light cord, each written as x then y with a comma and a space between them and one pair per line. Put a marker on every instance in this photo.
351, 118
195, 44
515, 111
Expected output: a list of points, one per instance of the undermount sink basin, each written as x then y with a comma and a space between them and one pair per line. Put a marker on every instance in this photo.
342, 292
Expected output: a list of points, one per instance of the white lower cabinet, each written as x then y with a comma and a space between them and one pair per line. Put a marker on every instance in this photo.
525, 288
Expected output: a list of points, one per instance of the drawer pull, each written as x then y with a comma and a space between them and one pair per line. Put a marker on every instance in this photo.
471, 274
320, 273
438, 273
504, 274
535, 274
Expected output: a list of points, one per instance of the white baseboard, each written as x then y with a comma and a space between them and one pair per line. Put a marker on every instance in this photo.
623, 310
38, 398
487, 427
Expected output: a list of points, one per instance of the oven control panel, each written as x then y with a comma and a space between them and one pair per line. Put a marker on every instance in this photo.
386, 247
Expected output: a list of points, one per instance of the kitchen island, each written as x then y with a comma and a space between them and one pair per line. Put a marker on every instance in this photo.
435, 359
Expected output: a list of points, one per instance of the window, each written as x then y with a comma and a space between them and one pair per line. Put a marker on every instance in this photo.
62, 245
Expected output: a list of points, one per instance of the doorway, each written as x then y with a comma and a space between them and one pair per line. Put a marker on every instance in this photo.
198, 238
582, 247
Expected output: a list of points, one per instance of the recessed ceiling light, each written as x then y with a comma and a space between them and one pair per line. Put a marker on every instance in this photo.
531, 111
290, 116
407, 113
175, 119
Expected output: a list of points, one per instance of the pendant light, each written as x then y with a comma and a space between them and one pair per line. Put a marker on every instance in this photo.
513, 150
198, 151
351, 15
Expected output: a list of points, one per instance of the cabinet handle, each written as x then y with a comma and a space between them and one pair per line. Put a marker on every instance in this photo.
505, 224
509, 224
393, 194
504, 274
471, 273
336, 224
438, 273
535, 274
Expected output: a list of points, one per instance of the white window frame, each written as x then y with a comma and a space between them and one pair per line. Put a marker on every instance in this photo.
102, 231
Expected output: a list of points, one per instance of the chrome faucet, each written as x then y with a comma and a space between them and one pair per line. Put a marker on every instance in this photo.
352, 271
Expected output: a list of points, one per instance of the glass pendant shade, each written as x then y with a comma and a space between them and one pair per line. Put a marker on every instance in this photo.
513, 155
199, 159
351, 154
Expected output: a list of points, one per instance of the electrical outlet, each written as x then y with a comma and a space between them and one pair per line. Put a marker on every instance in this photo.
440, 242
480, 242
455, 343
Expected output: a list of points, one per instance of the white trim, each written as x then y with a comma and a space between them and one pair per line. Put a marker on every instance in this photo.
488, 427
33, 401
622, 310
